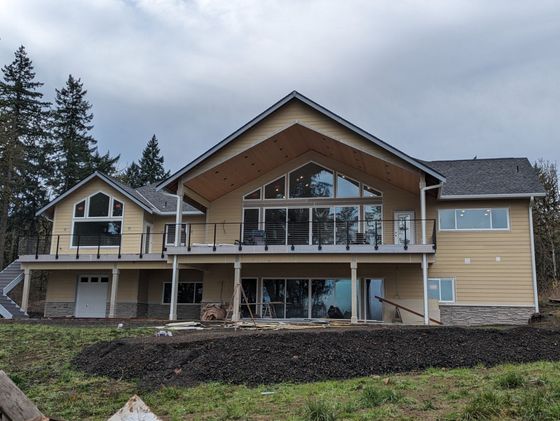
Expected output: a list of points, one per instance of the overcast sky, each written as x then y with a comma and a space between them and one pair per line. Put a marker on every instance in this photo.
437, 79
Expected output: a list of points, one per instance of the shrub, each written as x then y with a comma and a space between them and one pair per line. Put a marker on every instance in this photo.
319, 410
510, 380
373, 396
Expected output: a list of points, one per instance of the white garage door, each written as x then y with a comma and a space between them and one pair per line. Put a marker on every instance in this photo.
92, 296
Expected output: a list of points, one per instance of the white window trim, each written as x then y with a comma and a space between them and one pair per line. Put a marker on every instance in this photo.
178, 303
335, 186
167, 243
474, 229
439, 288
87, 218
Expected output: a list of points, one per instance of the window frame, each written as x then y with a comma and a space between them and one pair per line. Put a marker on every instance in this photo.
166, 230
179, 303
507, 208
439, 288
87, 218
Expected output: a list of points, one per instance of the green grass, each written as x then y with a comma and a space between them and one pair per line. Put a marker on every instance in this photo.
38, 358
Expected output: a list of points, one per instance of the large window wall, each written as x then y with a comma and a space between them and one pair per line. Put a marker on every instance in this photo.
344, 211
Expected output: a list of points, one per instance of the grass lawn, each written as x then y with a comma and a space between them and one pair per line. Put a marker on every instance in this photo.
37, 358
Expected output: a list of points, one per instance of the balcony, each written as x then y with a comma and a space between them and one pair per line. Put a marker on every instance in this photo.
357, 236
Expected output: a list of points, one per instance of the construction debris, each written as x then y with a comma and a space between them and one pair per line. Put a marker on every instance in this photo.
212, 312
164, 333
14, 405
134, 410
181, 326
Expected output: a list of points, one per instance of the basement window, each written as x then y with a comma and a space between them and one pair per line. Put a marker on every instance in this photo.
187, 293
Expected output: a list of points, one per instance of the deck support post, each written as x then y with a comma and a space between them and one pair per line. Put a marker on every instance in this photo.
425, 288
354, 290
178, 232
114, 289
235, 317
26, 287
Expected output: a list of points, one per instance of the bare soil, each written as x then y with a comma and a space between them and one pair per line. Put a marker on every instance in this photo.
268, 357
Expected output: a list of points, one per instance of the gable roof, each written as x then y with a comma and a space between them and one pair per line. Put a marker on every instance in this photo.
486, 178
152, 201
297, 96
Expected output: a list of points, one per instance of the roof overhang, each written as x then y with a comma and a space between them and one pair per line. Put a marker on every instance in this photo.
171, 182
86, 180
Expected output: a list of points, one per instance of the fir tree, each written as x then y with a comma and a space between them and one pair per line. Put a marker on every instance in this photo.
132, 176
24, 146
151, 163
75, 150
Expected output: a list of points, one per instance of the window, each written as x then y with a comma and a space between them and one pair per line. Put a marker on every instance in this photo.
276, 189
373, 215
369, 192
442, 289
80, 209
99, 205
187, 292
94, 279
94, 233
323, 226
346, 224
251, 233
474, 219
170, 234
298, 226
346, 187
97, 221
275, 226
253, 195
311, 180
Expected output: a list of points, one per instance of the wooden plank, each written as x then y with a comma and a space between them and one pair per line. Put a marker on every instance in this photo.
14, 405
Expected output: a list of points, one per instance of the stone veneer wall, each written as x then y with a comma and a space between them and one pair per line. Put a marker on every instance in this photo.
59, 309
124, 310
458, 315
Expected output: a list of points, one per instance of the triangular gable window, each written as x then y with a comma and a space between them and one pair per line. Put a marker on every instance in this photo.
254, 195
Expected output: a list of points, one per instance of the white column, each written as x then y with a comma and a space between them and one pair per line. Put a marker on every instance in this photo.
26, 287
236, 290
175, 273
425, 288
423, 208
533, 265
114, 289
354, 290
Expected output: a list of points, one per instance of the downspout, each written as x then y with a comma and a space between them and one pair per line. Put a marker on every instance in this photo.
175, 273
423, 190
533, 264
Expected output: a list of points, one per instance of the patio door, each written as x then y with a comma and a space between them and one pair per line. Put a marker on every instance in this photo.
371, 308
404, 227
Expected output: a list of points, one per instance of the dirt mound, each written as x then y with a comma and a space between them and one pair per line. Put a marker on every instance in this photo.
305, 356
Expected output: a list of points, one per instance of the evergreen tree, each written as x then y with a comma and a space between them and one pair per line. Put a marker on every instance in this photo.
24, 146
132, 176
75, 150
151, 163
149, 169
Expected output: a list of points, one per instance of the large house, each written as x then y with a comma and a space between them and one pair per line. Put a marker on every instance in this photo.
299, 214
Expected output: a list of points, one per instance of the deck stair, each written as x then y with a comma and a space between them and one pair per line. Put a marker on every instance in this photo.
10, 277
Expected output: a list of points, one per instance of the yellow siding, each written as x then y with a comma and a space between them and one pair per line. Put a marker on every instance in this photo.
156, 279
133, 221
289, 114
486, 280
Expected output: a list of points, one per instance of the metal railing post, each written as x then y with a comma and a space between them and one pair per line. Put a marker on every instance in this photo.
163, 245
434, 239
375, 231
98, 246
37, 247
120, 246
214, 246
189, 237
57, 246
347, 235
141, 245
240, 236
319, 236
17, 247
78, 248
405, 236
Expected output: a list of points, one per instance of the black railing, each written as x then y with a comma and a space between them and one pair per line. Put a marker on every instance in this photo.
348, 234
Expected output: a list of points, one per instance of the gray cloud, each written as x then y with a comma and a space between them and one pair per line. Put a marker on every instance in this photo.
439, 79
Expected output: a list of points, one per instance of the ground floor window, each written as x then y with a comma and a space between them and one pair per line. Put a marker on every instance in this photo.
442, 289
187, 293
305, 298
